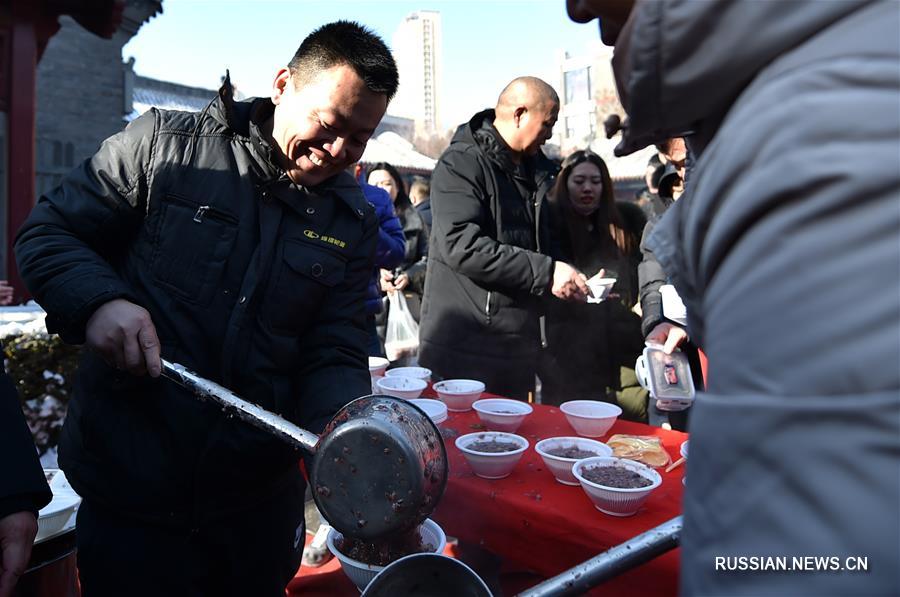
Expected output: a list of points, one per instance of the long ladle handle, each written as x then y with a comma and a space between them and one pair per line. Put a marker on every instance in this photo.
247, 411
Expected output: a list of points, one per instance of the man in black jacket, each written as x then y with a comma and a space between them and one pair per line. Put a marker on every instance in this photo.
23, 488
233, 242
488, 270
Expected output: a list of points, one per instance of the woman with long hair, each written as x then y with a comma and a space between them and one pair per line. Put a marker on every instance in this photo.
591, 348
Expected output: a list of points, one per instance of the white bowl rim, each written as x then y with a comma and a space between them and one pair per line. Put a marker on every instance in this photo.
385, 382
423, 403
332, 533
616, 409
381, 362
642, 469
515, 403
417, 372
683, 450
494, 436
539, 447
441, 387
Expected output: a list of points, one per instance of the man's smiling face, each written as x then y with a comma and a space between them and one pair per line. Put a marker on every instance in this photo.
321, 125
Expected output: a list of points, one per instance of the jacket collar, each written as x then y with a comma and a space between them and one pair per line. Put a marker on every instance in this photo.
480, 132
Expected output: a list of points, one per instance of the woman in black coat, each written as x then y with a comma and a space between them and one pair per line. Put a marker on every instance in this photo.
591, 348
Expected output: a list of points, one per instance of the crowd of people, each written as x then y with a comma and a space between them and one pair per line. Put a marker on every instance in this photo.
269, 277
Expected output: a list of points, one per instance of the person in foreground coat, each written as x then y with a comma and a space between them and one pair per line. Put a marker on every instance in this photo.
488, 265
23, 487
233, 242
784, 248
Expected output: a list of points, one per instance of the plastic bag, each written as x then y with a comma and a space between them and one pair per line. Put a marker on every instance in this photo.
401, 340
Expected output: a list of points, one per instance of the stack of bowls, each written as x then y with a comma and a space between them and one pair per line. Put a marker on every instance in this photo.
435, 409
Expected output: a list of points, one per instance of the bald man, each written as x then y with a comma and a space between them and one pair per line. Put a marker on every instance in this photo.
488, 271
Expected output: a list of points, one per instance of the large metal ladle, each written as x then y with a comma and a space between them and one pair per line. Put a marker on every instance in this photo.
379, 467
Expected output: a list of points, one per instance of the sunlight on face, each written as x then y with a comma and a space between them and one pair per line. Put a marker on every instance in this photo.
585, 186
322, 125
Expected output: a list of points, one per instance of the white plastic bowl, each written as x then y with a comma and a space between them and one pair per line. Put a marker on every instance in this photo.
417, 372
402, 387
492, 465
684, 452
590, 418
600, 288
377, 366
502, 414
362, 574
562, 467
435, 409
611, 500
459, 394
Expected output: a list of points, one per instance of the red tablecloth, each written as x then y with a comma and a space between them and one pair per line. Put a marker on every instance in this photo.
539, 524
533, 522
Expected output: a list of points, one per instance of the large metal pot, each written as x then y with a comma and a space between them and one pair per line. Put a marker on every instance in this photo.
379, 468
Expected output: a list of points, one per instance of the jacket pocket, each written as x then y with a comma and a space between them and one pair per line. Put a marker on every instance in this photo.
191, 248
302, 279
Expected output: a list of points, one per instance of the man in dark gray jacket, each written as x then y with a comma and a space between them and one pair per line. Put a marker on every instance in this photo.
784, 248
234, 242
488, 267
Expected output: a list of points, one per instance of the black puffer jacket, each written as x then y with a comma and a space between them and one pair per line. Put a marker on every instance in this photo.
249, 280
486, 270
23, 487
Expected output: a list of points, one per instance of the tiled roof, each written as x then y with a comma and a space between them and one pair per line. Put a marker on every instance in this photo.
152, 93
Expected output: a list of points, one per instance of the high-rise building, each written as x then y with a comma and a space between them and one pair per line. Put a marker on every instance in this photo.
588, 96
417, 50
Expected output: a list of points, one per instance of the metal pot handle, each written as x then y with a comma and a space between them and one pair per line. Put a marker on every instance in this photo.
247, 411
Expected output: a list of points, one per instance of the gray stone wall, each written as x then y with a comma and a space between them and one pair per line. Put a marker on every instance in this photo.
81, 93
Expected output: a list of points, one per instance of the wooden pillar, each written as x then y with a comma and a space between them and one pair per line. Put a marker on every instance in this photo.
21, 122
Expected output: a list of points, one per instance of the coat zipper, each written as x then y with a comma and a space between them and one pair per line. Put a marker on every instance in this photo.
487, 308
204, 211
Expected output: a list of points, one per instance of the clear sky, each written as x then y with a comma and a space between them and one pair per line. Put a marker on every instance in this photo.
486, 42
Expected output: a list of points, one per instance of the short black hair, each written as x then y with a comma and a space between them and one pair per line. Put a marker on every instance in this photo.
347, 42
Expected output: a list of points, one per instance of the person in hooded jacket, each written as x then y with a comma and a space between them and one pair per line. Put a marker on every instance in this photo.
784, 250
488, 265
231, 241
